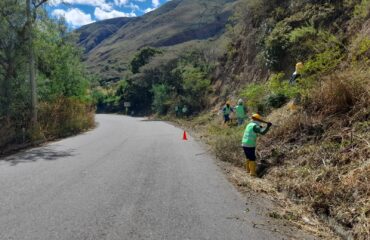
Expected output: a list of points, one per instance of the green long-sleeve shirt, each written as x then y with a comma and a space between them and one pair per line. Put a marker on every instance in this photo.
251, 133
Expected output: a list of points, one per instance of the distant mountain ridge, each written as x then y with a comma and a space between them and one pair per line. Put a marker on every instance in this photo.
110, 44
93, 34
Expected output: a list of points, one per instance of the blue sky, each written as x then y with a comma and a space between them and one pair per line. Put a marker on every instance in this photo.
81, 12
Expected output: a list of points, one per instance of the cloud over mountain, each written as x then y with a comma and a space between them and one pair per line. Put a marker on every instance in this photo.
81, 12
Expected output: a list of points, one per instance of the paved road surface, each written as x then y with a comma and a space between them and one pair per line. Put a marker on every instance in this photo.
127, 179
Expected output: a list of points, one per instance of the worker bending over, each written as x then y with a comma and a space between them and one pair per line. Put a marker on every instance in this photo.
249, 141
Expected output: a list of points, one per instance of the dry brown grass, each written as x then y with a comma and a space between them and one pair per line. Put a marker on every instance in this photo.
347, 92
327, 154
60, 118
65, 117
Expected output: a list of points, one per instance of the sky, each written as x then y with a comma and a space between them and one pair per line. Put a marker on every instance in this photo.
81, 12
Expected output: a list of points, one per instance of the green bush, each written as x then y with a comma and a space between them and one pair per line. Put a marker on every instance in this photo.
142, 58
255, 95
277, 100
196, 87
324, 61
276, 44
302, 33
280, 86
362, 10
161, 100
360, 51
106, 101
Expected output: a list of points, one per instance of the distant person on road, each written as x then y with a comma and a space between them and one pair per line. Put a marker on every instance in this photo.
241, 111
226, 111
249, 141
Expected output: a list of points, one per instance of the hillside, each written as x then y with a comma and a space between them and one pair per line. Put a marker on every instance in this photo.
91, 35
109, 45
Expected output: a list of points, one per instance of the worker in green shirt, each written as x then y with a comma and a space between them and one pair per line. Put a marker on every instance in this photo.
241, 111
249, 141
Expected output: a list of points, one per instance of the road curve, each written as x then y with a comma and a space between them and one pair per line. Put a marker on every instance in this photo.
127, 179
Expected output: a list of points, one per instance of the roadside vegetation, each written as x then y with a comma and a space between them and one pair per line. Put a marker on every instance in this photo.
317, 153
64, 103
158, 83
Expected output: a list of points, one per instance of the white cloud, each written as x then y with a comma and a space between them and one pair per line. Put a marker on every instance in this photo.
133, 6
100, 14
103, 4
128, 4
155, 3
73, 16
149, 10
121, 2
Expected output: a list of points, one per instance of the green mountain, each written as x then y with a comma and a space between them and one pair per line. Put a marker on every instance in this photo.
109, 45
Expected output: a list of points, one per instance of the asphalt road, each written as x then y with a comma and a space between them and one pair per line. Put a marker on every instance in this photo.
126, 179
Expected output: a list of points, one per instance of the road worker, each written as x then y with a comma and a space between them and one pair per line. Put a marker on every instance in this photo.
249, 141
240, 110
297, 73
293, 80
226, 111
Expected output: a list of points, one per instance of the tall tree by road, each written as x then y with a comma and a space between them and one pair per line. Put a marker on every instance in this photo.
32, 6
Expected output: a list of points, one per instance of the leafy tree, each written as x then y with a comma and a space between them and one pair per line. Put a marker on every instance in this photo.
142, 58
161, 98
164, 83
196, 86
60, 70
31, 44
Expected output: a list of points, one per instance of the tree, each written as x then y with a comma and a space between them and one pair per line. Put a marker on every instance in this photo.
161, 98
31, 12
29, 44
196, 87
142, 58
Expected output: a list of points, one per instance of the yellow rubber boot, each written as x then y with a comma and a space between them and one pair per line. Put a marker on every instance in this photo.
247, 166
252, 167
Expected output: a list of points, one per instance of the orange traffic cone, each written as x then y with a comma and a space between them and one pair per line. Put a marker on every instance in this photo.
184, 137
